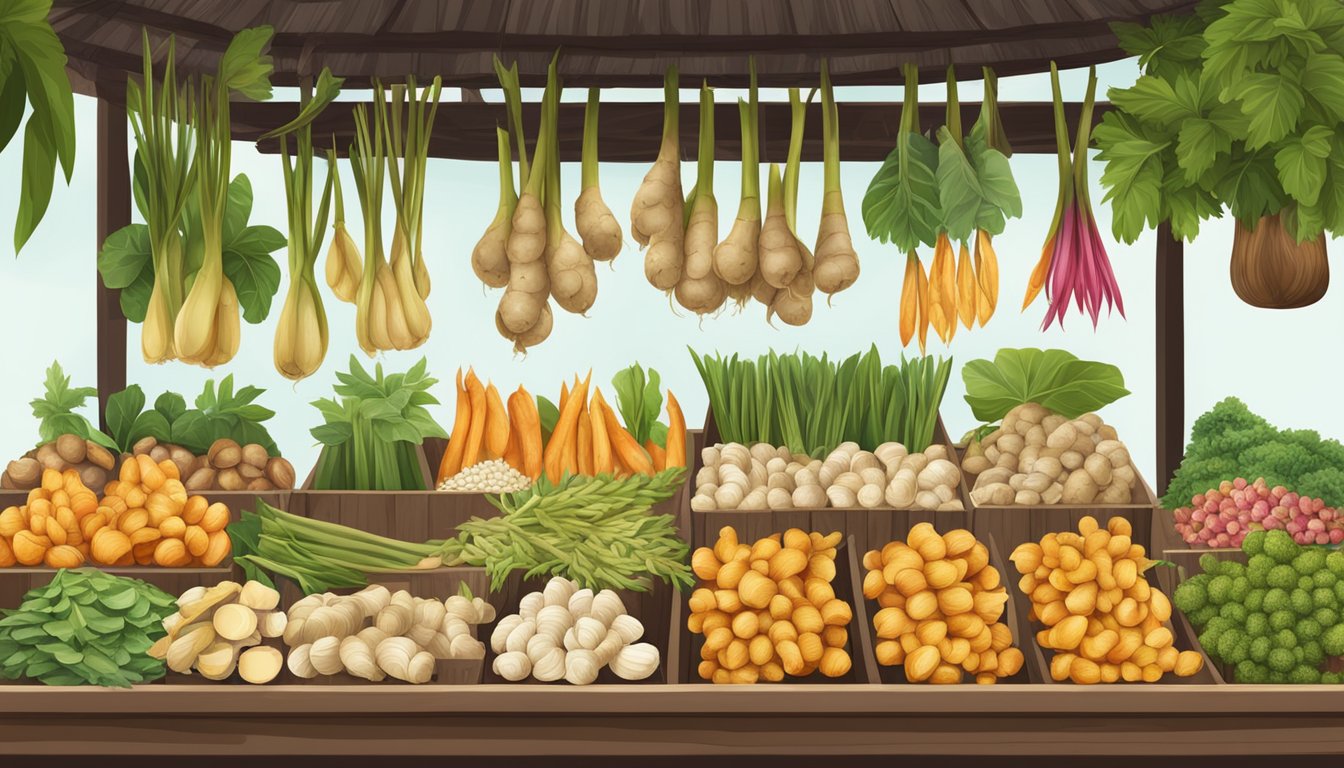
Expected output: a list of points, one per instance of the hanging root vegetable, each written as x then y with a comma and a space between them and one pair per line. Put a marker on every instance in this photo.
792, 303
377, 289
407, 261
345, 267
206, 330
700, 289
569, 267
656, 215
164, 149
1074, 265
596, 225
989, 129
735, 259
490, 259
837, 265
524, 316
301, 334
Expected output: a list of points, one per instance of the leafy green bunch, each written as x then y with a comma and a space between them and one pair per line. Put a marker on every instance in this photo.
1229, 441
372, 429
1276, 618
32, 72
1053, 378
1240, 106
85, 627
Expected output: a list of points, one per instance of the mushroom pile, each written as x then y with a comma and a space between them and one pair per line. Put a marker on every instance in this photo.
1039, 457
764, 477
93, 462
567, 633
220, 629
375, 634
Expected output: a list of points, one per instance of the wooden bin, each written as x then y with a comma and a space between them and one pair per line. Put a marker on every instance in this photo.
870, 528
895, 675
1011, 525
16, 581
655, 609
846, 586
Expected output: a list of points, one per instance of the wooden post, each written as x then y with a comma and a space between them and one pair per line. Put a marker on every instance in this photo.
114, 212
1170, 356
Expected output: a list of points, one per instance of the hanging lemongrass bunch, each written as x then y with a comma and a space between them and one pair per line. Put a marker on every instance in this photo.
301, 334
163, 140
410, 146
344, 264
206, 331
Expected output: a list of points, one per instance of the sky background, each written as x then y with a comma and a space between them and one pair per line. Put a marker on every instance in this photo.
1277, 361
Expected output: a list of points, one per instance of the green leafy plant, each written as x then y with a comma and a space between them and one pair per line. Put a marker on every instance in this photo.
85, 627
55, 410
639, 399
32, 71
372, 428
812, 404
1051, 377
1240, 107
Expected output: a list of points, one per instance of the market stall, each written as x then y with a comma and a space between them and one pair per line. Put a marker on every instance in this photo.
823, 570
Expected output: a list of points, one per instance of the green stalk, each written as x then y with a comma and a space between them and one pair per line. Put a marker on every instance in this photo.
366, 158
704, 178
590, 178
671, 104
830, 141
954, 109
751, 152
793, 166
550, 110
508, 82
508, 197
1080, 145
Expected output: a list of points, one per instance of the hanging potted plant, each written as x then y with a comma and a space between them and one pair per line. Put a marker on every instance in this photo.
1239, 108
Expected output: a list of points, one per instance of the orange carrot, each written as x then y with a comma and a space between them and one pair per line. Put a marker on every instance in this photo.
513, 451
451, 463
496, 424
584, 442
656, 455
626, 451
676, 433
526, 423
602, 463
564, 396
472, 453
561, 437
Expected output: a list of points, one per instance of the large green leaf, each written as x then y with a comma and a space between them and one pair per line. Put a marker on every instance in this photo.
959, 192
1300, 161
13, 96
901, 204
1273, 102
39, 168
42, 60
1053, 378
1133, 174
126, 264
123, 408
255, 275
244, 68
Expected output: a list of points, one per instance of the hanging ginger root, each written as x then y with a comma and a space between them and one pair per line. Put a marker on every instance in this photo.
377, 300
301, 334
778, 245
490, 259
793, 303
596, 225
569, 267
408, 194
344, 264
837, 264
656, 212
735, 259
700, 289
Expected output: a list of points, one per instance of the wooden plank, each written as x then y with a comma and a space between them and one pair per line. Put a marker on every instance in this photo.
113, 213
631, 131
1170, 356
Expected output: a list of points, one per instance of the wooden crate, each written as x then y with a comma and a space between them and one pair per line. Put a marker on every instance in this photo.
871, 528
16, 581
1011, 525
655, 609
846, 587
895, 675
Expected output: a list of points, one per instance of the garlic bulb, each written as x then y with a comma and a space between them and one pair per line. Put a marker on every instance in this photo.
635, 662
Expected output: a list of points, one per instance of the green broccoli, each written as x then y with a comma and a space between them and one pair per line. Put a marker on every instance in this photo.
1251, 673
1308, 629
1280, 546
1323, 597
1233, 646
1234, 612
1300, 600
1257, 571
1339, 591
1260, 648
1276, 599
1203, 616
1208, 563
1310, 561
1312, 653
1220, 589
1276, 677
1324, 578
1254, 543
1221, 624
1191, 595
1281, 660
1328, 617
1231, 568
1304, 675
1332, 678
1285, 638
1282, 620
1282, 577
1241, 587
1332, 640
1257, 624
1210, 636
1255, 600
1334, 562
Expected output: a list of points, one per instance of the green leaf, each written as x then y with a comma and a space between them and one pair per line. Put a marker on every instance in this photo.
1188, 206
1198, 146
332, 434
1323, 83
255, 275
13, 97
901, 205
1300, 161
124, 255
122, 410
1153, 99
42, 61
244, 68
237, 210
191, 430
1273, 102
1133, 174
171, 405
328, 87
1053, 378
548, 414
1250, 183
996, 183
39, 168
120, 599
150, 424
959, 192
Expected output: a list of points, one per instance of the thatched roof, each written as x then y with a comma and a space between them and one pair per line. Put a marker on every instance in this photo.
608, 42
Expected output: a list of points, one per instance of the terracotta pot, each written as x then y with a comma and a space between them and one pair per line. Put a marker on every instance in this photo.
1271, 269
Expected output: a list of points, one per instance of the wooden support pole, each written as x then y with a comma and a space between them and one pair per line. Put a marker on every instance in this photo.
1170, 356
114, 212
